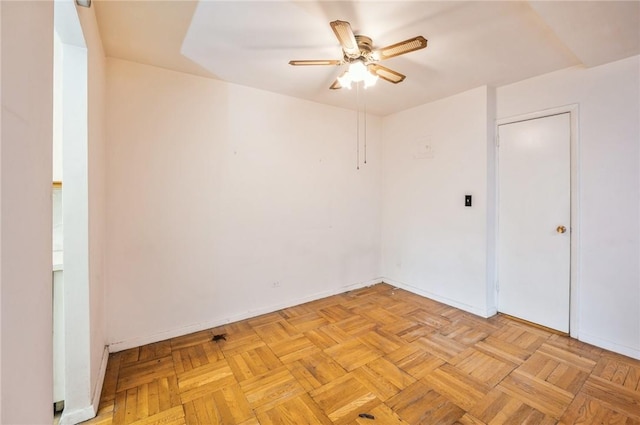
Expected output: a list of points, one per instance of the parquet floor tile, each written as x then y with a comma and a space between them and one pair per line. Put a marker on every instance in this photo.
460, 388
565, 375
381, 341
335, 313
266, 319
503, 350
353, 354
588, 410
240, 343
383, 378
574, 346
487, 369
615, 397
419, 404
430, 319
537, 393
336, 334
316, 370
271, 388
301, 410
326, 337
191, 357
382, 414
464, 333
380, 316
355, 325
406, 329
143, 372
193, 339
441, 346
498, 408
253, 363
344, 398
226, 405
619, 371
402, 358
308, 322
199, 381
154, 351
414, 360
173, 416
275, 332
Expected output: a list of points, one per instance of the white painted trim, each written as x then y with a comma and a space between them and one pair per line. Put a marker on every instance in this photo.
491, 272
448, 301
611, 346
77, 416
97, 390
173, 333
574, 279
538, 114
88, 412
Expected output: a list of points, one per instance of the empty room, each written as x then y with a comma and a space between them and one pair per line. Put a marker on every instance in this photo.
318, 212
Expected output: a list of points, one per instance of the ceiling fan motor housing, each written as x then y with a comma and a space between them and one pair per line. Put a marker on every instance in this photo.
365, 45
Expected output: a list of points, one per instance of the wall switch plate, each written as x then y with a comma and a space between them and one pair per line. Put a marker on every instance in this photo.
467, 200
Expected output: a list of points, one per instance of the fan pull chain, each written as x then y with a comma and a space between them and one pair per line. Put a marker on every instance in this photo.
364, 97
358, 126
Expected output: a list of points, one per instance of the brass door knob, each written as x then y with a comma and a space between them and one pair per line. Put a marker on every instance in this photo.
561, 229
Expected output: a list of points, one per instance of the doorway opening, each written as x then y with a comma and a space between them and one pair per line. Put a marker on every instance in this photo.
71, 288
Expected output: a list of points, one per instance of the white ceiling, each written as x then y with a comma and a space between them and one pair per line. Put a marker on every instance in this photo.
470, 43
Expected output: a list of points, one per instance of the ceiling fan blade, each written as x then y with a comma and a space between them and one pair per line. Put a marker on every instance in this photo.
387, 74
410, 45
315, 62
344, 34
336, 84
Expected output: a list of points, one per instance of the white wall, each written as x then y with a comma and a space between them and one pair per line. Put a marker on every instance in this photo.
26, 145
431, 243
609, 191
216, 191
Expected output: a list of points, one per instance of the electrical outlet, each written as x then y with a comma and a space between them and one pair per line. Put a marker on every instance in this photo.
275, 284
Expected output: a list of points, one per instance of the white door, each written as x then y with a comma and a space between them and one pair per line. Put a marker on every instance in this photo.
533, 220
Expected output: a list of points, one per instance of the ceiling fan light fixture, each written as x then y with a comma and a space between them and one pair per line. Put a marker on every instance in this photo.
345, 81
370, 80
356, 73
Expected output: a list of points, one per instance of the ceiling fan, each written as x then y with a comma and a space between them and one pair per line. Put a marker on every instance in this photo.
363, 58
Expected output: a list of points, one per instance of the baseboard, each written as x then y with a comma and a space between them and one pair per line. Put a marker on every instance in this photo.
611, 346
490, 312
88, 412
97, 390
448, 301
77, 416
173, 333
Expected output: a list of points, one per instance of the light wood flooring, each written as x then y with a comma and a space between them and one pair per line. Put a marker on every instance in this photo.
382, 351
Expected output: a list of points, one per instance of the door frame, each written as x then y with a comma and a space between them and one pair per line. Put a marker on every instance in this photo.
574, 246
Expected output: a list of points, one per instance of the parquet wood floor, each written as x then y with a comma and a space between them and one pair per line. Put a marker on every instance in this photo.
402, 358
